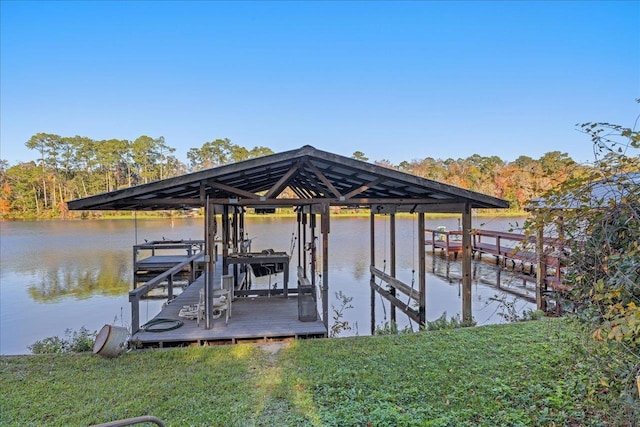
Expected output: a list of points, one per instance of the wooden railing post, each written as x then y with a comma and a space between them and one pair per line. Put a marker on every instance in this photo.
541, 271
134, 300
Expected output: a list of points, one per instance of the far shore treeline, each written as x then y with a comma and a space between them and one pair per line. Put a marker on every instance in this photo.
66, 168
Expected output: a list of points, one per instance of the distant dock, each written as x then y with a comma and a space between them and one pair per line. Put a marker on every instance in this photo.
509, 249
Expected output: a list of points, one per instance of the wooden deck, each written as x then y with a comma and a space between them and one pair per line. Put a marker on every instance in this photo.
160, 262
253, 319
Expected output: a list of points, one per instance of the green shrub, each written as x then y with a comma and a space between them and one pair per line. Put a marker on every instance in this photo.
74, 342
453, 323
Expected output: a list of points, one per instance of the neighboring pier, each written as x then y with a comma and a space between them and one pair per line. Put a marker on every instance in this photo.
525, 255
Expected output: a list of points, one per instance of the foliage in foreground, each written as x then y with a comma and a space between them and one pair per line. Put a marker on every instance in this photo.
599, 216
532, 373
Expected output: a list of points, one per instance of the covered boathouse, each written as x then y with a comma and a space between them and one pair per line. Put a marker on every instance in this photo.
311, 181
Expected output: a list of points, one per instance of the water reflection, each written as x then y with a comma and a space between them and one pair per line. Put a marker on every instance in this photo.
69, 274
107, 274
485, 273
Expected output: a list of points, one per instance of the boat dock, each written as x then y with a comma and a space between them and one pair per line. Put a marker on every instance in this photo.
257, 315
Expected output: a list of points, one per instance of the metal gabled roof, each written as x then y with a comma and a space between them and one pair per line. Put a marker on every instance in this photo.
593, 195
313, 175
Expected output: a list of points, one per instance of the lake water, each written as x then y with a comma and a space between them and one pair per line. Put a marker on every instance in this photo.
58, 275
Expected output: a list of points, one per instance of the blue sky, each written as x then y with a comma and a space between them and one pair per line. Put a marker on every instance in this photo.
395, 80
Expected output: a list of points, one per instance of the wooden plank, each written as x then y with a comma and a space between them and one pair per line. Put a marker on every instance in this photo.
453, 246
160, 262
396, 284
400, 305
252, 318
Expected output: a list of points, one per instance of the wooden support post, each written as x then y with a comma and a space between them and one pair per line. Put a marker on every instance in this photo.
422, 274
304, 242
392, 270
135, 266
242, 233
225, 238
209, 233
372, 233
170, 288
467, 316
235, 236
236, 229
325, 228
541, 271
312, 245
300, 240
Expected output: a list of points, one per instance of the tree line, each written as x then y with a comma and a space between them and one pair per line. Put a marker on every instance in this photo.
65, 168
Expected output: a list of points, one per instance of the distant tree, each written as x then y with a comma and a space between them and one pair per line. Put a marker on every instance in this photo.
5, 189
237, 153
556, 168
359, 155
46, 145
162, 155
109, 154
150, 157
211, 154
260, 151
221, 152
25, 193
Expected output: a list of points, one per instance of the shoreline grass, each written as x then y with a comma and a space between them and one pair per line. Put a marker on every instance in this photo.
530, 373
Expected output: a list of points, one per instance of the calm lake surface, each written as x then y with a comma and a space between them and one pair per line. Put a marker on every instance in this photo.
59, 275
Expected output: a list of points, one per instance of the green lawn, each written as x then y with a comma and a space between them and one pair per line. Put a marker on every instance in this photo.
533, 373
